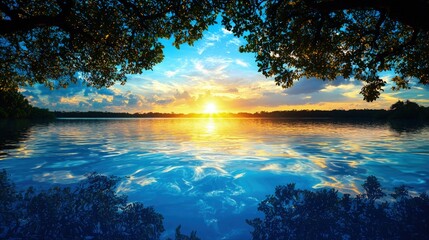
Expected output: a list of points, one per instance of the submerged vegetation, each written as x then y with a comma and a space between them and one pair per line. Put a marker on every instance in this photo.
302, 214
93, 210
90, 210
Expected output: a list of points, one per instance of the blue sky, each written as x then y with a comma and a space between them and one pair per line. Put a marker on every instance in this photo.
213, 71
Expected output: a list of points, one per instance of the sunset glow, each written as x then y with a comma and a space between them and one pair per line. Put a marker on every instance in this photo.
210, 108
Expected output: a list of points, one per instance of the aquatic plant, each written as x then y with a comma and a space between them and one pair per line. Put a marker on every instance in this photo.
93, 210
302, 214
90, 210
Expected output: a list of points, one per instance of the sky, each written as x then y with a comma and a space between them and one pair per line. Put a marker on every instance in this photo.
213, 74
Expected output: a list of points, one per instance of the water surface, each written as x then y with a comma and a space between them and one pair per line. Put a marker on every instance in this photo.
210, 174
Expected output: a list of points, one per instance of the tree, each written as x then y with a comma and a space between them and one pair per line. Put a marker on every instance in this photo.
331, 38
14, 105
57, 42
373, 188
408, 110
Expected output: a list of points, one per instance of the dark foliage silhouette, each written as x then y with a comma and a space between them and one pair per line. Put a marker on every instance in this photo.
302, 214
14, 105
408, 110
90, 210
400, 110
332, 38
57, 42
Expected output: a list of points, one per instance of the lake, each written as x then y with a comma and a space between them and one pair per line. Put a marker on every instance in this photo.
210, 174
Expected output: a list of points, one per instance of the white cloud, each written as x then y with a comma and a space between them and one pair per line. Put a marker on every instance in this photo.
171, 73
212, 37
234, 41
344, 87
241, 63
226, 31
203, 48
209, 40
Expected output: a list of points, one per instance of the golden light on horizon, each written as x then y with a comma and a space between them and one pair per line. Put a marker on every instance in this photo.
210, 108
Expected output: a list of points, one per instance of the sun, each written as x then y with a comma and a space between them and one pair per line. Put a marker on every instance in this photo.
210, 108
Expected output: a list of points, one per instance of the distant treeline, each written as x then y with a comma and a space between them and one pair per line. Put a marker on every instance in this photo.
399, 110
263, 114
13, 105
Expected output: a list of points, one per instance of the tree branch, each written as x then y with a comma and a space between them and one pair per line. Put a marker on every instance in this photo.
377, 29
413, 13
139, 11
382, 56
13, 14
19, 23
26, 24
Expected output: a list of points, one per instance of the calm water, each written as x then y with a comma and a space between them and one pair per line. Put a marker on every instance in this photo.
210, 174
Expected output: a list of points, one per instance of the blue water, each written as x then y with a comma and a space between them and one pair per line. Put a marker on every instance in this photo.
210, 174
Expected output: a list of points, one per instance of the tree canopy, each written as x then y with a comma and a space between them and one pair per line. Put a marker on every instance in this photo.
330, 38
56, 42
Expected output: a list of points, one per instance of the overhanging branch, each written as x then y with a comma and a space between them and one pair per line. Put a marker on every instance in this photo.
414, 13
400, 48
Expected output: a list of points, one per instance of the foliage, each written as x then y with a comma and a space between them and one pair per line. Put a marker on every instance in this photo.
90, 210
408, 110
55, 42
302, 214
180, 236
327, 39
14, 105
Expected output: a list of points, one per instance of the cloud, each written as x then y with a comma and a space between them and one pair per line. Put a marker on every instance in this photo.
226, 31
171, 73
241, 63
232, 90
209, 41
235, 41
314, 85
212, 37
212, 66
204, 47
182, 95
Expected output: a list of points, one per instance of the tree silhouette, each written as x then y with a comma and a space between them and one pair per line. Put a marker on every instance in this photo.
292, 213
14, 105
408, 110
331, 38
55, 42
